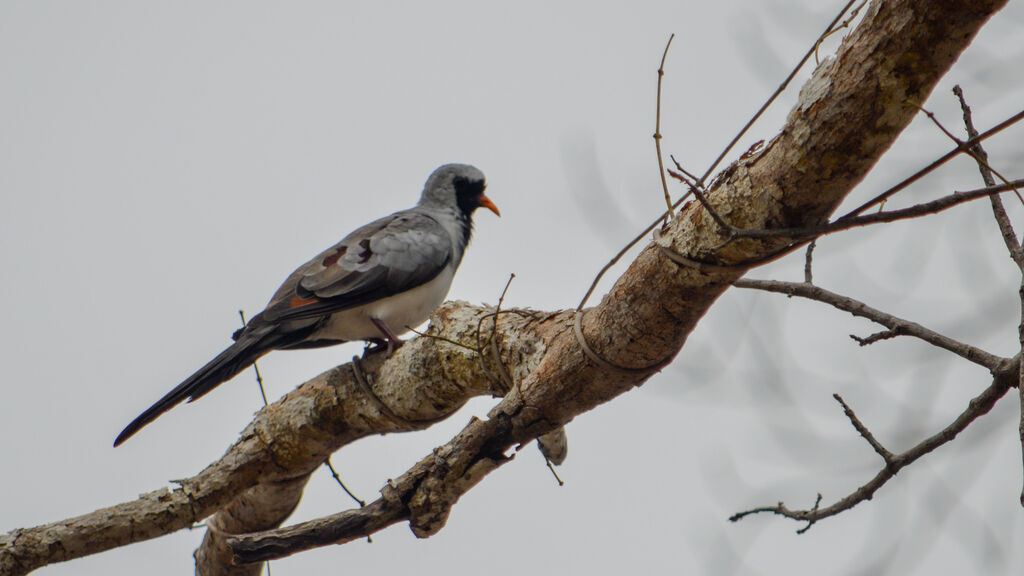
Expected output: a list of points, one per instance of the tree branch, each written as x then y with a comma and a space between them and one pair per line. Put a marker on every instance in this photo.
1005, 378
897, 325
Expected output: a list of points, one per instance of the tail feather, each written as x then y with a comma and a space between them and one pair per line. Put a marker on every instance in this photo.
236, 358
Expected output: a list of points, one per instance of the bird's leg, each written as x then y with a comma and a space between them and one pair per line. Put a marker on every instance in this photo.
374, 345
393, 341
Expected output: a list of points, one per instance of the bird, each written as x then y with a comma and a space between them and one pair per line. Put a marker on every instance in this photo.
376, 283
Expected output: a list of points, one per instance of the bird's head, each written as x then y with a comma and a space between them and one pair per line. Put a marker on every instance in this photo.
458, 185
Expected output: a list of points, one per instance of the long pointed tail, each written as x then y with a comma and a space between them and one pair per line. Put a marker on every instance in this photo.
227, 364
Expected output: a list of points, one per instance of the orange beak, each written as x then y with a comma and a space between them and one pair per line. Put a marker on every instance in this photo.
485, 202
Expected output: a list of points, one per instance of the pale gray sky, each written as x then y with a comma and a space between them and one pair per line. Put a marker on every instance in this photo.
164, 164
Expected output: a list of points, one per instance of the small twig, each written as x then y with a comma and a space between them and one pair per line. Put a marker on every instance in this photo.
334, 473
977, 407
553, 473
503, 380
724, 228
337, 479
687, 173
844, 24
981, 158
808, 261
657, 134
878, 336
492, 341
933, 207
442, 339
1013, 246
1002, 219
858, 308
1020, 381
864, 432
618, 256
263, 394
255, 367
934, 165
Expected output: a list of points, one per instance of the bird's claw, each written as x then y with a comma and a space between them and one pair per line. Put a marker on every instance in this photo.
378, 345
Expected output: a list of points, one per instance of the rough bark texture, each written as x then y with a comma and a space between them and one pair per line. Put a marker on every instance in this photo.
848, 114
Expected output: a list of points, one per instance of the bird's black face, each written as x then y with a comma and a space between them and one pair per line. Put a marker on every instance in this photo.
469, 195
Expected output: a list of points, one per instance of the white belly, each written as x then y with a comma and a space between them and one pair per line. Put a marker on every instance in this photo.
399, 312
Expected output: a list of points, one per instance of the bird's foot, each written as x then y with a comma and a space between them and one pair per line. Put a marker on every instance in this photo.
378, 345
393, 341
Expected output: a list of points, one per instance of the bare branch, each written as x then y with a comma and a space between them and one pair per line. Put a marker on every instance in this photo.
931, 167
926, 208
1009, 238
894, 323
1005, 378
657, 133
864, 432
878, 336
1002, 219
808, 262
1020, 381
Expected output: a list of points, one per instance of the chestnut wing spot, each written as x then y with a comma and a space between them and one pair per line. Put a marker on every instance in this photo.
297, 301
364, 256
333, 258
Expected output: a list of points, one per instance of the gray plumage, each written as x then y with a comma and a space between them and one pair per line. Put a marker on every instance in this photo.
374, 284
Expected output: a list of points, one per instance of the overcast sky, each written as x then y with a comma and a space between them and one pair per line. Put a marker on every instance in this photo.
163, 165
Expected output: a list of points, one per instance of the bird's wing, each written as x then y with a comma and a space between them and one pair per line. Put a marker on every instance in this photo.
381, 259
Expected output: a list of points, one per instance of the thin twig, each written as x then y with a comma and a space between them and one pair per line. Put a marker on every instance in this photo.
337, 478
877, 336
726, 229
844, 24
551, 467
1020, 380
686, 172
863, 431
618, 256
931, 167
1002, 219
981, 158
977, 407
933, 207
1013, 246
443, 339
263, 393
492, 341
808, 262
255, 367
657, 134
858, 308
